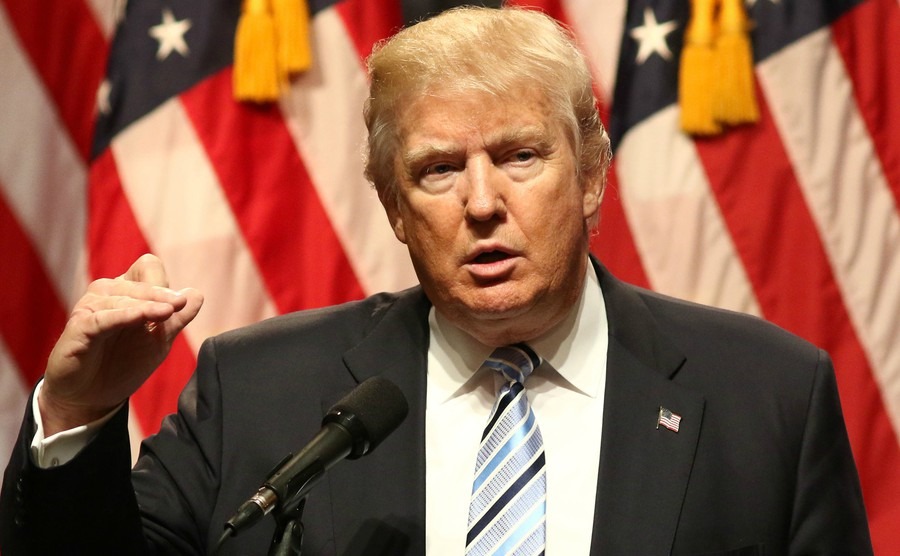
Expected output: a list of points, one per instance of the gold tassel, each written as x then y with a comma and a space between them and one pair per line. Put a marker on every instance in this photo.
696, 80
735, 101
256, 76
292, 28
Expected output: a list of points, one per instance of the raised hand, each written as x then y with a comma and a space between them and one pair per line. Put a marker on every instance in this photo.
117, 335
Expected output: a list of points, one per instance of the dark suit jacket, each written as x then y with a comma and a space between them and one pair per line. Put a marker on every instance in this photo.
761, 463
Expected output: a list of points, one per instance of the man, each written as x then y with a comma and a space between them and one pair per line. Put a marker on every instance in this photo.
665, 427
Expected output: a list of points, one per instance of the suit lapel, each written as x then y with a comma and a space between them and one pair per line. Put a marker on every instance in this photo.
390, 482
644, 469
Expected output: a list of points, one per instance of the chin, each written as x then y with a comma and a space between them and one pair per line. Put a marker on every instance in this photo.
497, 305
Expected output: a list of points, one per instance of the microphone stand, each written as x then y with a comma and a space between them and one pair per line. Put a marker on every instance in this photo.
288, 537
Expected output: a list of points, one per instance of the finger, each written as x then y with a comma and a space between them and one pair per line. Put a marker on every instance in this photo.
148, 269
182, 317
97, 314
124, 313
120, 287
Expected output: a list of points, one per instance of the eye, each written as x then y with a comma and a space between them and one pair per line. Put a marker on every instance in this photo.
521, 156
522, 163
524, 156
437, 177
437, 169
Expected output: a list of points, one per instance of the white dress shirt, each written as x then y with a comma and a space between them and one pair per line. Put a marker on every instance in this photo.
63, 446
566, 393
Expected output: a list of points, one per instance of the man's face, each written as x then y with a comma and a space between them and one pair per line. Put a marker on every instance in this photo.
491, 210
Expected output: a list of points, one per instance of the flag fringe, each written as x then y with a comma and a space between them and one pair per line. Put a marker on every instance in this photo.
255, 59
715, 85
735, 99
695, 81
292, 28
271, 44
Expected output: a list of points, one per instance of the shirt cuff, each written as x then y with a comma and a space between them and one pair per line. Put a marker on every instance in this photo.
63, 446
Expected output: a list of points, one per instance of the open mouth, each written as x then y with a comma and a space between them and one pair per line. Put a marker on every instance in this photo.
491, 257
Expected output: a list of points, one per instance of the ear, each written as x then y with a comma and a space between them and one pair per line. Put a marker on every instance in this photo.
392, 209
592, 196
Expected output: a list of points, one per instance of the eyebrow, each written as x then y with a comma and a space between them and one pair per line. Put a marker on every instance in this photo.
417, 156
538, 136
531, 135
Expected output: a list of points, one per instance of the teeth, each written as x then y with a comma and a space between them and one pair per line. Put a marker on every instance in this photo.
491, 257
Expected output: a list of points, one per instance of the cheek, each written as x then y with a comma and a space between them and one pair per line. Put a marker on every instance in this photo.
431, 232
557, 225
559, 208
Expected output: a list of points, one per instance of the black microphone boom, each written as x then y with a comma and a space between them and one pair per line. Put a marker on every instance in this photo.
352, 428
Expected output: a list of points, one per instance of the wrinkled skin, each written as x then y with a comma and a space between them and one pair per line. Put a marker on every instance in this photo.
491, 209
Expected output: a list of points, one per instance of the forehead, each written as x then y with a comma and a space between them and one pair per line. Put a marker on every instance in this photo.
476, 115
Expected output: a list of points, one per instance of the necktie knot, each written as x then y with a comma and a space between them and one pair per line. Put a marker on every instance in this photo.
516, 362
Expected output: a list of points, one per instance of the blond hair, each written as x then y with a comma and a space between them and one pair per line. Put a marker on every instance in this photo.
489, 50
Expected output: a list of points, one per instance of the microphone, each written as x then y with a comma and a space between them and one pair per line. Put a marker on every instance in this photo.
353, 427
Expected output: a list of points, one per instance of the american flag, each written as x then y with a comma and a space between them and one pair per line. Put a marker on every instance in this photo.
264, 208
669, 420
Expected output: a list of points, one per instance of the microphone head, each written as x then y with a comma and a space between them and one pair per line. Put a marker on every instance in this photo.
370, 412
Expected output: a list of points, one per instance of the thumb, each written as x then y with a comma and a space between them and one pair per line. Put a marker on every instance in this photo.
148, 269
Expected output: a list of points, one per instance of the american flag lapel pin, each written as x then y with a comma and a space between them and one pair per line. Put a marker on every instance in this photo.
668, 419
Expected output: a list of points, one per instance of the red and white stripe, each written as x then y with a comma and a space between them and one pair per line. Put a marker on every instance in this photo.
50, 68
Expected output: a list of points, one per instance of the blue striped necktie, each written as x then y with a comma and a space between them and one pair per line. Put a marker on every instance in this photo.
509, 494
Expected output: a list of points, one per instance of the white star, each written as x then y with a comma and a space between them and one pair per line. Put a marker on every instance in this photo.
170, 34
651, 37
103, 91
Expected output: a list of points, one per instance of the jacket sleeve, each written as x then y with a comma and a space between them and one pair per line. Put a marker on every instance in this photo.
86, 506
828, 516
97, 504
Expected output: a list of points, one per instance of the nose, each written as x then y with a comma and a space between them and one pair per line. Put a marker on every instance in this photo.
483, 198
